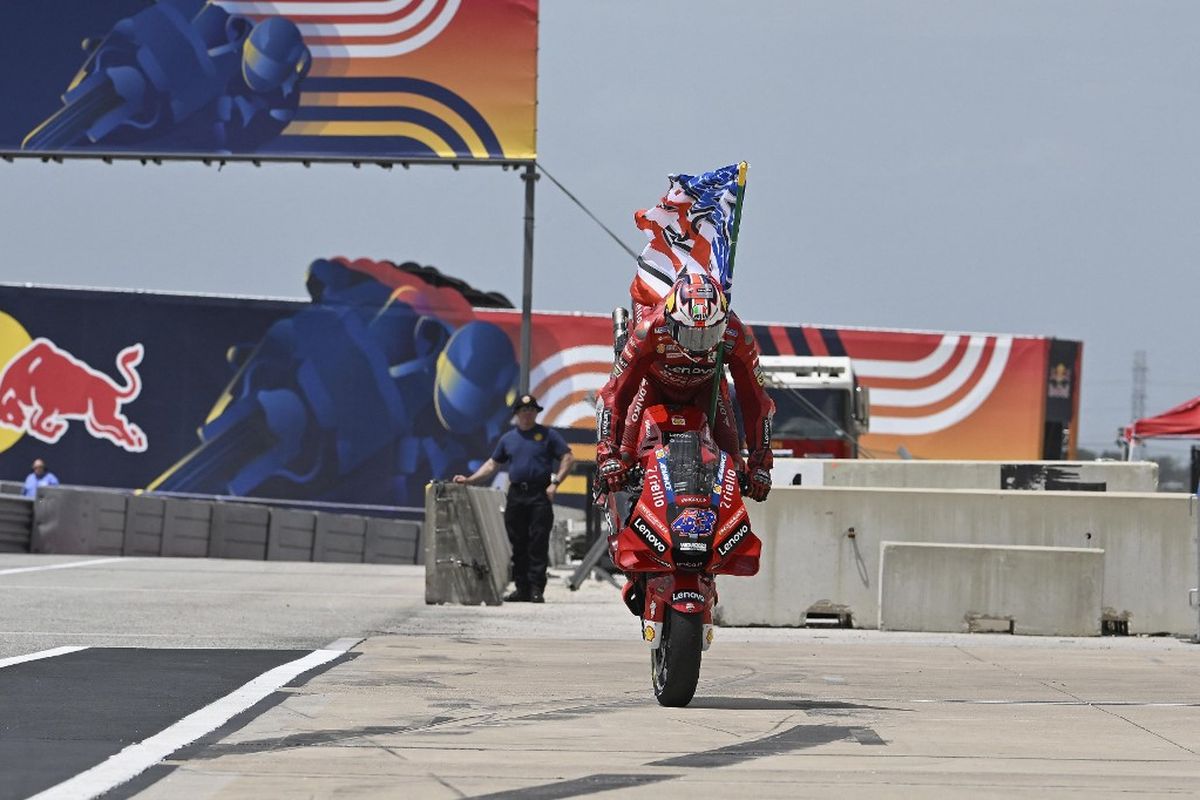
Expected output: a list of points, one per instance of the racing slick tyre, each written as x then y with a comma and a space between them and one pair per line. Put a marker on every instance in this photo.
675, 663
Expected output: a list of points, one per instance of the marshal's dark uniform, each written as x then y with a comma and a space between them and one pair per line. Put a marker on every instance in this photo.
532, 457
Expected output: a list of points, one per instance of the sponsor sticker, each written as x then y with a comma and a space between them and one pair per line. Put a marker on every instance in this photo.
694, 521
639, 526
734, 540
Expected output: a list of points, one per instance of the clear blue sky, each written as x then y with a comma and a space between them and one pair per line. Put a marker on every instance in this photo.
1023, 167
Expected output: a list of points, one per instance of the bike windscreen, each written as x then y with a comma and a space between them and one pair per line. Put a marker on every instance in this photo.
692, 459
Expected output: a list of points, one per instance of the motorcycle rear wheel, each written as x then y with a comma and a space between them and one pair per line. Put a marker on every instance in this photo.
675, 663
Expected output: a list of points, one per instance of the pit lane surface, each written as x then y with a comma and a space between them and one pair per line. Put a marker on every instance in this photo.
553, 701
100, 654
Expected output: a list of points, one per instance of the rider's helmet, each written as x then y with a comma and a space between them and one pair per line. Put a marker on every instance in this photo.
275, 56
696, 311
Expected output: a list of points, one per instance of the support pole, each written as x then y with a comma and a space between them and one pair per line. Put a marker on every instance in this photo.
530, 176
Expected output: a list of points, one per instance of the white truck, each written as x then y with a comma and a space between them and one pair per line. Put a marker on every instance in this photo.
820, 407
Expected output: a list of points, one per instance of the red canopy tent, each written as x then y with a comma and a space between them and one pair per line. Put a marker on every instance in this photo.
1181, 422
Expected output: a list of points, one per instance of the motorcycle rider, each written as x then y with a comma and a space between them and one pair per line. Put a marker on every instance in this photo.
670, 357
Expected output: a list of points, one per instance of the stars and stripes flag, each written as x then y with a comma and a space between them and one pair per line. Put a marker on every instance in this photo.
690, 230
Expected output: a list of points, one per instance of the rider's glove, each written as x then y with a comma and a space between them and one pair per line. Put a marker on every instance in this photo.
758, 468
613, 472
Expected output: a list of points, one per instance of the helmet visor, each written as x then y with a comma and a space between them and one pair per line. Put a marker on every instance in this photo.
699, 340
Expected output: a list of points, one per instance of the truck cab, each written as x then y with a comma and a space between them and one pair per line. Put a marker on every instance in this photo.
820, 407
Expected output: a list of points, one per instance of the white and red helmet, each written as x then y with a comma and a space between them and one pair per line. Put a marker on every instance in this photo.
696, 311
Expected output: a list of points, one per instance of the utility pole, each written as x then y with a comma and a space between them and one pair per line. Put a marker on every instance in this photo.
1138, 400
530, 176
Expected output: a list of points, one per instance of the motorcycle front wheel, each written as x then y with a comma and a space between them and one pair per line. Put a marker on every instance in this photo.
675, 663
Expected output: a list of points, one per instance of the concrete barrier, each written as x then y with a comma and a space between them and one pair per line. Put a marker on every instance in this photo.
821, 548
467, 553
16, 524
145, 517
291, 535
239, 531
186, 527
340, 537
971, 588
390, 541
86, 521
73, 521
1095, 476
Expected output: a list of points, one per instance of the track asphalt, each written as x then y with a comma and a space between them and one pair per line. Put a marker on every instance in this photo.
553, 701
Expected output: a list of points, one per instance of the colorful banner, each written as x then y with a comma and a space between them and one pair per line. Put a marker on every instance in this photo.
370, 80
385, 380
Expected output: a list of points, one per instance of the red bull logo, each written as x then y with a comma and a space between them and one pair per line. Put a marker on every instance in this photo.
43, 387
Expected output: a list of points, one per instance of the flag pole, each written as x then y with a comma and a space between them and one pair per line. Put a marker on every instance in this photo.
719, 370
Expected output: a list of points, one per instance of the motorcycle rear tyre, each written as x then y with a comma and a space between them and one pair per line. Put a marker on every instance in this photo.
675, 664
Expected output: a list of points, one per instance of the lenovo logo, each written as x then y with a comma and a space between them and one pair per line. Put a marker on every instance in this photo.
734, 540
651, 538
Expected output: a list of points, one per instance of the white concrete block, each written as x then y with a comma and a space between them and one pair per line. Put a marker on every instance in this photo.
1109, 476
811, 561
968, 588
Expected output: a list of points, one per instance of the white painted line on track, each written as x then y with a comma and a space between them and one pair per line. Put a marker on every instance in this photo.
68, 565
57, 651
138, 757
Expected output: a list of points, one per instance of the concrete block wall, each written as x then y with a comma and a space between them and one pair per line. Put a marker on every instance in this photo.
16, 523
390, 541
821, 548
974, 588
90, 521
239, 531
1110, 476
186, 526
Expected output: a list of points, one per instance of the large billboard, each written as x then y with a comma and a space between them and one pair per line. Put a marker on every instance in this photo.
387, 378
360, 80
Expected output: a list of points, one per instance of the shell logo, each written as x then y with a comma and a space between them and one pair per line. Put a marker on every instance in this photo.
709, 636
648, 634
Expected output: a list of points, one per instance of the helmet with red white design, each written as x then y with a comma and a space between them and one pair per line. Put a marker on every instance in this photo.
696, 311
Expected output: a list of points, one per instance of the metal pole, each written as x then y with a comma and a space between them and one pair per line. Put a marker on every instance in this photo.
1194, 594
530, 176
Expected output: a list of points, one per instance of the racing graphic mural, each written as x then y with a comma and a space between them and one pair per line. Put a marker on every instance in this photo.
388, 377
380, 79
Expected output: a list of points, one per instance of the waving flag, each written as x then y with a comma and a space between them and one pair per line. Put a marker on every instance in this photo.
689, 231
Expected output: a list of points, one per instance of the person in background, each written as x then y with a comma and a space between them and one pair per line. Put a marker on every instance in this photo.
39, 477
532, 452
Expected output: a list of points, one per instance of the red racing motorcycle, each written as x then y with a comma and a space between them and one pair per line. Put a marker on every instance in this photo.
680, 522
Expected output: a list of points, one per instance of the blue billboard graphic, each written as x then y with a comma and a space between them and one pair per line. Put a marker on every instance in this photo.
379, 384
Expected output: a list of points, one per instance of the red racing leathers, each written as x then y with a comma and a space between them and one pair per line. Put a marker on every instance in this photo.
653, 369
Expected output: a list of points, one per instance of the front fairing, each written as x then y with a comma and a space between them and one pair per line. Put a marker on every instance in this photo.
689, 515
